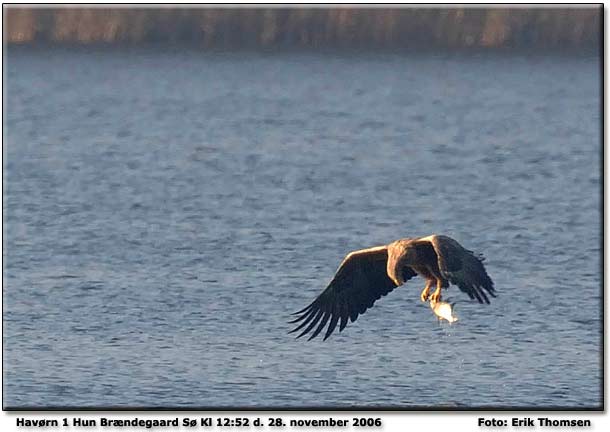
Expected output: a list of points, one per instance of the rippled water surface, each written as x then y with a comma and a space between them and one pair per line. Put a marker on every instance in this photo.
165, 212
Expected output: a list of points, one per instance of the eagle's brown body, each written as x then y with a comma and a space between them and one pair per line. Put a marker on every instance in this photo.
366, 275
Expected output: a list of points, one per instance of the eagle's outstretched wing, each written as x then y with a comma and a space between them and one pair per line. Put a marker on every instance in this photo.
360, 280
462, 267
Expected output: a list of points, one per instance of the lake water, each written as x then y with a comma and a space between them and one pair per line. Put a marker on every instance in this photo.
165, 212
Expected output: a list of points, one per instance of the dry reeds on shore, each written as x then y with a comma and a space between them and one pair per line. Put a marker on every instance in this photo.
309, 27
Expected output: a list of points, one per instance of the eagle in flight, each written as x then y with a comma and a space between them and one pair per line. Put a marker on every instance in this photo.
366, 275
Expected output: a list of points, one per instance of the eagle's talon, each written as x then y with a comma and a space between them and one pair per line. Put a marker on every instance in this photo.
436, 296
424, 296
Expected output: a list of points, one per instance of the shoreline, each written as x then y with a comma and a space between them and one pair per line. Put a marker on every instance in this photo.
313, 28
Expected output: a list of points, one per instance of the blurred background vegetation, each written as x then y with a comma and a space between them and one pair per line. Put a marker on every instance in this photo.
310, 27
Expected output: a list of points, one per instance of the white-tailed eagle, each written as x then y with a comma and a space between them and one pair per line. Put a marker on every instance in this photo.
366, 275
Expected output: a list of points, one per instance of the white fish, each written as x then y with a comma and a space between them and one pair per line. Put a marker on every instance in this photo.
443, 310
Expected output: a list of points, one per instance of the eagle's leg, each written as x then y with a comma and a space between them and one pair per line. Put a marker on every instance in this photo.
424, 294
436, 295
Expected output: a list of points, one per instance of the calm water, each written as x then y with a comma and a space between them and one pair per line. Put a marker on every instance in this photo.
164, 213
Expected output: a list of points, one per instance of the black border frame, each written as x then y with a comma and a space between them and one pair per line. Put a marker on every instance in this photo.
287, 409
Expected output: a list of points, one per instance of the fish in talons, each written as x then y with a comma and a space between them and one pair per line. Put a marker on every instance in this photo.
443, 310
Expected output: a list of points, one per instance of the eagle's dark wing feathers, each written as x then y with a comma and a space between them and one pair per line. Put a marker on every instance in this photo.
360, 280
463, 268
